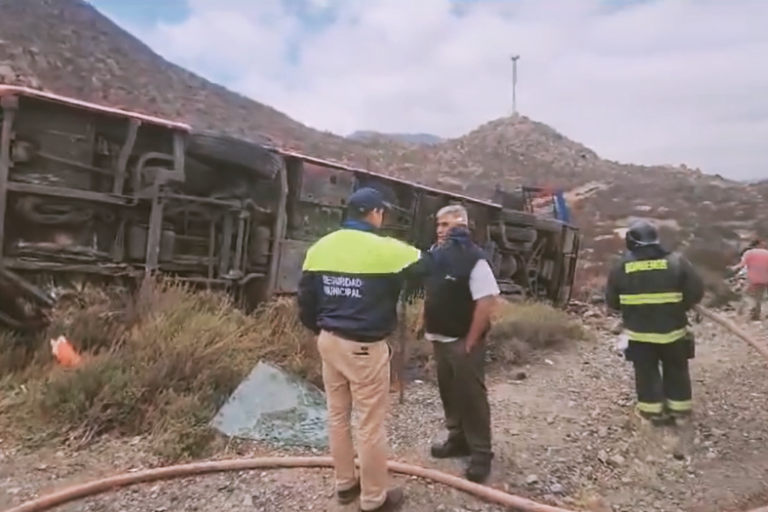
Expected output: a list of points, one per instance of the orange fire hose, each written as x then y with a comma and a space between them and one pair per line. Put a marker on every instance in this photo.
77, 492
744, 335
101, 486
738, 331
483, 492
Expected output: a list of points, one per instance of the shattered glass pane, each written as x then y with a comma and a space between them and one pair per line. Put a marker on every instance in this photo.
273, 406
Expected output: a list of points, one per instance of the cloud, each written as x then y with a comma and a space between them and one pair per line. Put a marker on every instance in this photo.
664, 81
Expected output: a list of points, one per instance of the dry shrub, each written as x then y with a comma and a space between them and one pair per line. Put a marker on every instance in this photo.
13, 353
589, 281
418, 353
671, 238
712, 265
718, 289
158, 363
420, 350
521, 328
714, 259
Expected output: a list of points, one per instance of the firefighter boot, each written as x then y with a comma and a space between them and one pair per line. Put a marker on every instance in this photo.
653, 419
684, 434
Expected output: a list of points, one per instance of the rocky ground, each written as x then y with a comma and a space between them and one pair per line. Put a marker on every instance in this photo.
563, 432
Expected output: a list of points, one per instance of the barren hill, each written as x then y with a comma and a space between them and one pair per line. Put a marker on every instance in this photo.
68, 47
408, 138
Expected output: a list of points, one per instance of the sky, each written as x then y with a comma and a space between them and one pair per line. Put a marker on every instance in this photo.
643, 81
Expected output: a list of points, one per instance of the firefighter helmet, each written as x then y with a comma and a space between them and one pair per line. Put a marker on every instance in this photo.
640, 234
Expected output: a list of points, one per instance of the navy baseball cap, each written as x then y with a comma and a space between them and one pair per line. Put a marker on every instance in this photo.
366, 199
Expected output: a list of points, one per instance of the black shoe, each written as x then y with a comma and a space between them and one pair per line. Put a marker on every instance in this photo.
393, 502
347, 496
478, 470
450, 449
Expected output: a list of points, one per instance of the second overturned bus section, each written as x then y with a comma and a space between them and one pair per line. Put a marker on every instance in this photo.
93, 192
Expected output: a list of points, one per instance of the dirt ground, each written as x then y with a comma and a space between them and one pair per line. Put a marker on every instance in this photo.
563, 431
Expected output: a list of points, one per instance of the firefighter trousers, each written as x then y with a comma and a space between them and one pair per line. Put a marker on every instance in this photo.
662, 376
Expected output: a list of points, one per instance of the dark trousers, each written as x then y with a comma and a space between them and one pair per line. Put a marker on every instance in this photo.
662, 377
461, 380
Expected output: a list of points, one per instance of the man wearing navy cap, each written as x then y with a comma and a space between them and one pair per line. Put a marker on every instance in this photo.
348, 297
365, 201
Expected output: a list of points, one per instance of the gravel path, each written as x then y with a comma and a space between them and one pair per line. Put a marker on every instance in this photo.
563, 431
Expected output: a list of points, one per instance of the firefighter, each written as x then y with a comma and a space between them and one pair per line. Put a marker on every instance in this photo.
654, 289
348, 295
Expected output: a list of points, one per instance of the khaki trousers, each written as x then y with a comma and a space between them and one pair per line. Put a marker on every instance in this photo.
357, 373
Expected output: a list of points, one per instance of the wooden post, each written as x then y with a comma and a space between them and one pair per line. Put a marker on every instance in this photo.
402, 342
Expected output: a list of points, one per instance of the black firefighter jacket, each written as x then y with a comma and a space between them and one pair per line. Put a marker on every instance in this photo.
654, 289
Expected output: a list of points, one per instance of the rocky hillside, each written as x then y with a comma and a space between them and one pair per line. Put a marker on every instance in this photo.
68, 47
425, 139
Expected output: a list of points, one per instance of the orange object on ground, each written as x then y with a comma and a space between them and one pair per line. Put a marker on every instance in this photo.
64, 352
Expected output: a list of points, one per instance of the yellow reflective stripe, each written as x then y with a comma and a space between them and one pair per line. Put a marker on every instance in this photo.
639, 299
403, 253
654, 337
650, 408
680, 405
351, 251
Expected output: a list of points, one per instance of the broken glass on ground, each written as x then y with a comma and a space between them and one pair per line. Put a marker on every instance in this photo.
273, 406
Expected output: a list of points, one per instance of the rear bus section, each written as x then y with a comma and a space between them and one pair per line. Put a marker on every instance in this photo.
537, 248
97, 194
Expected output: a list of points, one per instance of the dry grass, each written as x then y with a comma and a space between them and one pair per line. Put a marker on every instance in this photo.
589, 281
523, 328
519, 330
158, 364
714, 259
161, 362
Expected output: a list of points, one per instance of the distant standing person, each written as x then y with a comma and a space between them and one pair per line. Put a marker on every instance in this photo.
755, 260
460, 295
348, 297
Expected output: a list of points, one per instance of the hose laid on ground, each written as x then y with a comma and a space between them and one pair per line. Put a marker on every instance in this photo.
489, 494
77, 492
744, 335
735, 329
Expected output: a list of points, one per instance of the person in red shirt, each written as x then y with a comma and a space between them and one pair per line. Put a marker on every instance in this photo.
755, 260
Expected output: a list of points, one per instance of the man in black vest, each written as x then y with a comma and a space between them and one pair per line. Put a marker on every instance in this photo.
461, 293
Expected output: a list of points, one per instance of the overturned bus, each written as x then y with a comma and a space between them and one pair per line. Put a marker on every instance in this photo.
104, 194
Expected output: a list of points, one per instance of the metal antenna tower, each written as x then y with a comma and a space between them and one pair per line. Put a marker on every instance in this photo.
515, 58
